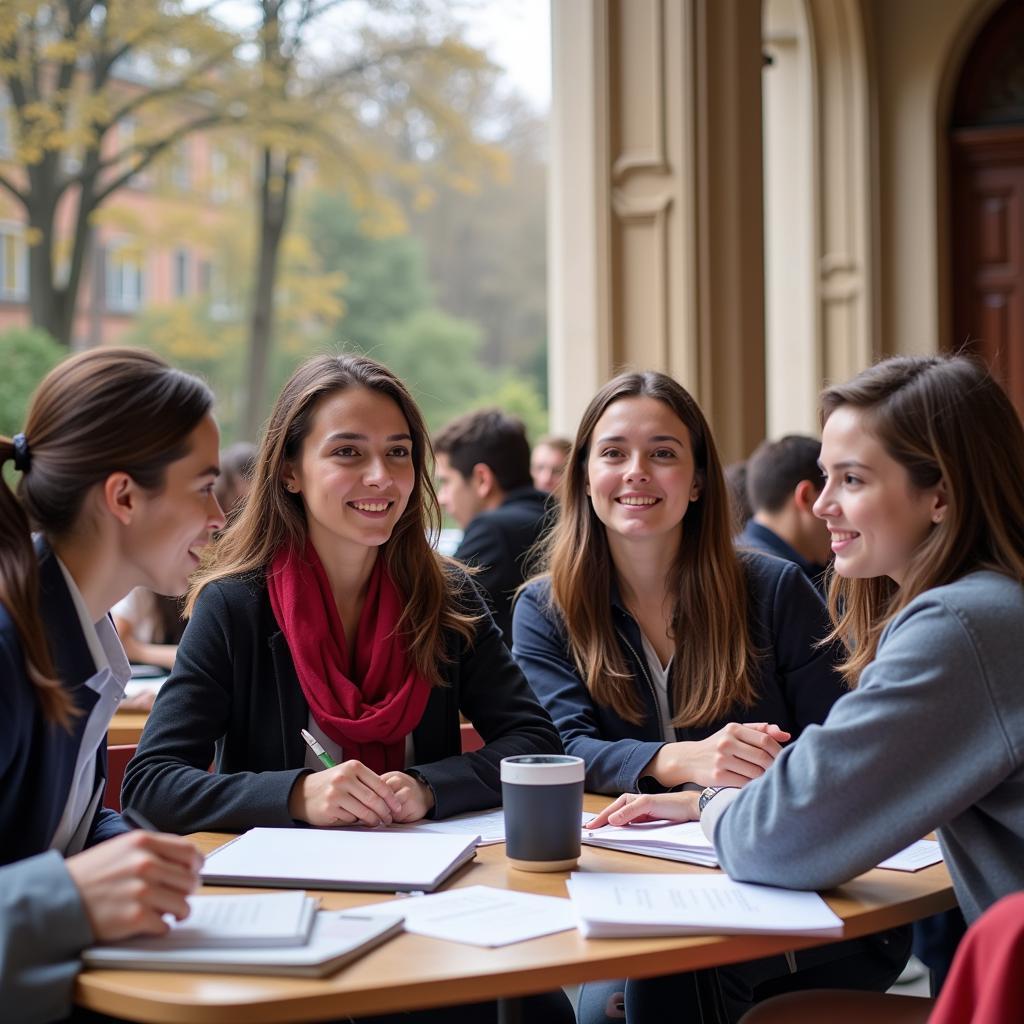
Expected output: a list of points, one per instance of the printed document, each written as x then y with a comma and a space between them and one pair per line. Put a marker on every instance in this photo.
612, 905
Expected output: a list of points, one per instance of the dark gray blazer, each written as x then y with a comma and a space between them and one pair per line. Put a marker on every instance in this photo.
234, 697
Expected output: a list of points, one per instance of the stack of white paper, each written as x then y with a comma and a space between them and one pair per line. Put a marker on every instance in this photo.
618, 905
681, 841
295, 858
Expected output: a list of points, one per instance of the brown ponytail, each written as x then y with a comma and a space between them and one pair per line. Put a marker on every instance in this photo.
100, 412
19, 594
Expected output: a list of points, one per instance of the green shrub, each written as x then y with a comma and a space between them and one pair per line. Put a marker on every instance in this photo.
27, 354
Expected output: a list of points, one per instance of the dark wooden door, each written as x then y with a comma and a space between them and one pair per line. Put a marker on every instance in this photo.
987, 154
988, 250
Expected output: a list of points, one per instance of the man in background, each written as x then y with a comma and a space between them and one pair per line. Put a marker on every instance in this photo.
483, 483
547, 462
783, 482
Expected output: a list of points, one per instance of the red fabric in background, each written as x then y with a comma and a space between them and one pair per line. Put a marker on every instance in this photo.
986, 982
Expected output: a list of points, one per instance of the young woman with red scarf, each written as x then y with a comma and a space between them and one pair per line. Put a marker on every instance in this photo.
323, 607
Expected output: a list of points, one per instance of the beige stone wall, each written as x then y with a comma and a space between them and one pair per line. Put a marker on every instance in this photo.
656, 211
656, 216
918, 46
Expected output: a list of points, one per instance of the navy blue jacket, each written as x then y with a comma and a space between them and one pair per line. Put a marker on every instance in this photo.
758, 537
37, 758
234, 696
498, 543
797, 682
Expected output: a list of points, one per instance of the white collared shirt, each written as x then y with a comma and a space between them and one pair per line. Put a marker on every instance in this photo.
661, 676
112, 672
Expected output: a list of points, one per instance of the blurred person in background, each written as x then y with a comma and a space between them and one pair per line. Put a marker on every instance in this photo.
736, 482
483, 483
236, 470
783, 483
547, 461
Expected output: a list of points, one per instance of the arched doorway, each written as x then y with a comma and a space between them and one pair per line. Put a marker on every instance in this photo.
987, 156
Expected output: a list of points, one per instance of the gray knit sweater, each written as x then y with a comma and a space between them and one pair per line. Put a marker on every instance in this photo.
933, 738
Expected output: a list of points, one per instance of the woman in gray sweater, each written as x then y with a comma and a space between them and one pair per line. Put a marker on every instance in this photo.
925, 503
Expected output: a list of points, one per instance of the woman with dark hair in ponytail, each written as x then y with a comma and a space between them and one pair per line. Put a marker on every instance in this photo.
115, 470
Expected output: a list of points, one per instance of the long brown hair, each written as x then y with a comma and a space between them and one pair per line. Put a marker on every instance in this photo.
944, 419
714, 658
272, 517
103, 411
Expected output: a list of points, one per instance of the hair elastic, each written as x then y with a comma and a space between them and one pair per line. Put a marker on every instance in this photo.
22, 456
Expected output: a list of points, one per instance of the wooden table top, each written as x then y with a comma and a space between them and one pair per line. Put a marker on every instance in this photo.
414, 972
126, 727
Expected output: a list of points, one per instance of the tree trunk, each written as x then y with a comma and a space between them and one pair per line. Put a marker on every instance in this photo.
274, 195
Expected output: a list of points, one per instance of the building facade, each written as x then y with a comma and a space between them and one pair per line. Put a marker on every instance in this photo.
759, 196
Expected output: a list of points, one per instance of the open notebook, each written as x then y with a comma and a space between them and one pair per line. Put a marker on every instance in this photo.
269, 919
301, 858
681, 841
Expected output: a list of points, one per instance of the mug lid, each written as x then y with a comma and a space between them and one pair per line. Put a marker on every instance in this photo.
542, 769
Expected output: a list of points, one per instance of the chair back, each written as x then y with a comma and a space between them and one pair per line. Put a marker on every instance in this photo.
118, 757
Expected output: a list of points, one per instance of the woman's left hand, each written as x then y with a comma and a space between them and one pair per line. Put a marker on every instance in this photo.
416, 796
640, 807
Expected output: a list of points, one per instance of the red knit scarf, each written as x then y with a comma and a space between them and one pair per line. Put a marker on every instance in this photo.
371, 714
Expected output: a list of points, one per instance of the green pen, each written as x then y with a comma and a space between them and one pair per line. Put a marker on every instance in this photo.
325, 759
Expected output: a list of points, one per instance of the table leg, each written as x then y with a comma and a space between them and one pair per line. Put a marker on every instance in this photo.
510, 1010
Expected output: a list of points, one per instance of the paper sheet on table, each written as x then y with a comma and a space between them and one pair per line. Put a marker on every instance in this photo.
480, 915
611, 905
922, 854
488, 826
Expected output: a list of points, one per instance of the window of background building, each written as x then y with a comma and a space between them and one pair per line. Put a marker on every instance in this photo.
180, 171
220, 176
123, 275
6, 147
182, 282
13, 263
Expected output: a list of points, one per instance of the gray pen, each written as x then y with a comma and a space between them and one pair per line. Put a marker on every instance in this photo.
137, 820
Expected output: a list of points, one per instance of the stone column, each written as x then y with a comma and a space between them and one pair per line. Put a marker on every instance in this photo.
656, 213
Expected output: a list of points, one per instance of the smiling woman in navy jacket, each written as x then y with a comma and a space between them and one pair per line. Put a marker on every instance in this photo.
666, 659
117, 463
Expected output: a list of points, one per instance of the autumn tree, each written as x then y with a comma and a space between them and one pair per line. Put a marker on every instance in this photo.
339, 117
96, 90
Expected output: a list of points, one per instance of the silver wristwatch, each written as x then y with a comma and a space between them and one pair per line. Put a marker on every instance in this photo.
706, 794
